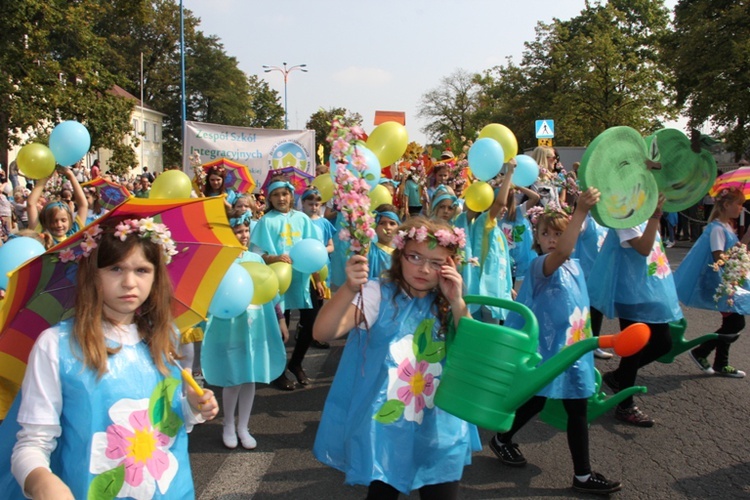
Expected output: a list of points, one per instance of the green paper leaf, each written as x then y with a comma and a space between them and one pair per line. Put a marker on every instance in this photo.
390, 411
160, 412
652, 269
107, 485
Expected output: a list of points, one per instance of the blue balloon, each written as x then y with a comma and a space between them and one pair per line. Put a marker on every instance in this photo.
371, 174
14, 253
526, 172
308, 256
486, 158
69, 142
234, 293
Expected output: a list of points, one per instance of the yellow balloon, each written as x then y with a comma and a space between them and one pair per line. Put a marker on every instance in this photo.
379, 195
323, 273
479, 196
35, 161
170, 185
265, 282
388, 141
324, 184
504, 136
283, 274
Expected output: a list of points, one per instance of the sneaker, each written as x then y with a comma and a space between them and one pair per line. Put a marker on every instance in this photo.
669, 244
596, 484
702, 363
612, 383
633, 416
602, 354
507, 453
730, 371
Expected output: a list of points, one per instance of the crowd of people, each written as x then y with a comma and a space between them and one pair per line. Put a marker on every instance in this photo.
535, 245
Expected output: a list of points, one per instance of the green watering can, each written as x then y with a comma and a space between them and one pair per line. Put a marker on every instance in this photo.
491, 370
599, 403
679, 344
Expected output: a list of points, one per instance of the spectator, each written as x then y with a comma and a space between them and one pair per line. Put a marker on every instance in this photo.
96, 170
143, 188
147, 174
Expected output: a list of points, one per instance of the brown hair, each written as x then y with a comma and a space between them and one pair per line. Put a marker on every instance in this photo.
207, 189
153, 319
555, 220
49, 211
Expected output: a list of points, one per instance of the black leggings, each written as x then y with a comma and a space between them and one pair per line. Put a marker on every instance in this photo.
659, 344
379, 490
306, 322
731, 324
578, 428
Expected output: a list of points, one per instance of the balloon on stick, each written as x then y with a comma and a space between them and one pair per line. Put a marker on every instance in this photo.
308, 255
388, 141
486, 158
479, 196
69, 142
526, 172
502, 135
170, 185
234, 293
35, 161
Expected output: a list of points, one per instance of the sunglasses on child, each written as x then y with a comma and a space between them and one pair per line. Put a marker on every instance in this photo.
419, 261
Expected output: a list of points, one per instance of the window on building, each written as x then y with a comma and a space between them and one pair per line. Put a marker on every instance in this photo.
156, 133
135, 125
146, 137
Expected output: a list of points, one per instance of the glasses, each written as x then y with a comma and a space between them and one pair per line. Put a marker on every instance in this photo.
419, 261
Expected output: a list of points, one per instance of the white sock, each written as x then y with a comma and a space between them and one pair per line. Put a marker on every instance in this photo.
229, 397
246, 400
583, 478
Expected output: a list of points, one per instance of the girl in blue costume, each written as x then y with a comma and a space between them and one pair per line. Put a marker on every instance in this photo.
88, 400
241, 351
518, 233
490, 248
379, 425
215, 186
555, 290
276, 233
444, 205
56, 218
696, 283
244, 208
631, 280
386, 225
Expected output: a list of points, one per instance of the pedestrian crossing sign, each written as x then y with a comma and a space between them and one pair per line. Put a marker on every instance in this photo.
545, 129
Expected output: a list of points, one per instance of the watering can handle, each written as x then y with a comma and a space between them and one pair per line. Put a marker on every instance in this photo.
529, 320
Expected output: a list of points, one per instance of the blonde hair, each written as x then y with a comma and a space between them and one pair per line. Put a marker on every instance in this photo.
725, 198
555, 220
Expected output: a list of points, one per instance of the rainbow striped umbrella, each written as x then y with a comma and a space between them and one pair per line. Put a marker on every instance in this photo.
110, 193
739, 178
41, 292
237, 175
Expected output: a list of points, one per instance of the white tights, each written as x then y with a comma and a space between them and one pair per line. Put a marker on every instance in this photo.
232, 397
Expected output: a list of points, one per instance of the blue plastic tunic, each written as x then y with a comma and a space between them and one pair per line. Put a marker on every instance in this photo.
469, 272
379, 260
520, 237
379, 421
696, 281
560, 303
625, 284
493, 278
339, 255
589, 243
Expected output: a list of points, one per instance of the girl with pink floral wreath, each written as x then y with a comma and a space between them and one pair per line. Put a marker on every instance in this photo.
102, 411
555, 290
380, 425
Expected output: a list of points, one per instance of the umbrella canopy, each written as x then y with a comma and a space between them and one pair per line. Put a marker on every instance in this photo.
739, 178
110, 194
41, 293
238, 176
298, 178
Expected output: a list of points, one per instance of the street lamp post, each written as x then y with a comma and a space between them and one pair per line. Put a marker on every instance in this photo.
285, 71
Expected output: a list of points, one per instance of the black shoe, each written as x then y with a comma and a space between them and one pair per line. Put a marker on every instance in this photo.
299, 374
509, 454
320, 345
596, 484
612, 383
283, 384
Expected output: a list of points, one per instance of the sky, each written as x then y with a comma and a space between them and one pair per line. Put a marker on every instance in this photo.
368, 55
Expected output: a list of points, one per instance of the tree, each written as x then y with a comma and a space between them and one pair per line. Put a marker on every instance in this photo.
320, 122
450, 108
709, 51
55, 69
264, 102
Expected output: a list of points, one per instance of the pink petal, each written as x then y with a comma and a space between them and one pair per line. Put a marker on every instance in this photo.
157, 464
405, 370
117, 441
404, 394
429, 384
419, 404
422, 366
139, 420
133, 472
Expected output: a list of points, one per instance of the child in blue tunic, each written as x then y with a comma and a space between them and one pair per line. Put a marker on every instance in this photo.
555, 291
631, 280
274, 236
444, 204
238, 352
89, 423
518, 232
386, 224
696, 284
380, 425
56, 219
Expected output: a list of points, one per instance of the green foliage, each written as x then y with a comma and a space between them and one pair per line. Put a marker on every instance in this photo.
451, 108
709, 51
267, 110
320, 122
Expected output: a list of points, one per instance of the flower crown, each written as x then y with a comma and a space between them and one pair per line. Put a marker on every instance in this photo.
535, 212
443, 237
145, 228
727, 191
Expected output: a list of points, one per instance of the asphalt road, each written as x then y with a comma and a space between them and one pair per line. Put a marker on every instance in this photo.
697, 449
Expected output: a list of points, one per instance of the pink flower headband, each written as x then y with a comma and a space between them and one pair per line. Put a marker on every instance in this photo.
443, 237
145, 228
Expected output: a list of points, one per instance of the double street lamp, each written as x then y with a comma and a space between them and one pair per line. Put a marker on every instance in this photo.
285, 71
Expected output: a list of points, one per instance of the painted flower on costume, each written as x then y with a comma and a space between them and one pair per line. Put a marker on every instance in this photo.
657, 262
415, 378
734, 266
580, 326
133, 455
